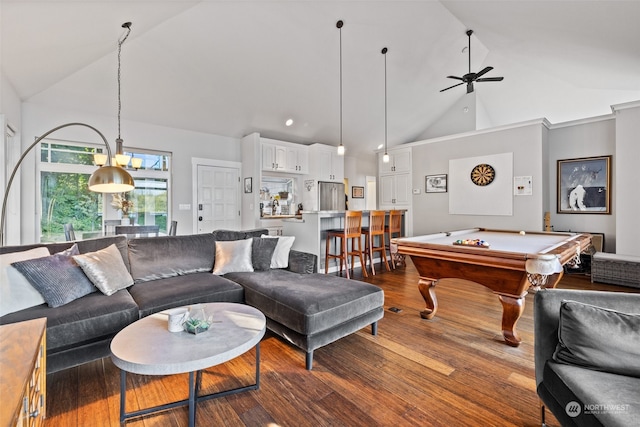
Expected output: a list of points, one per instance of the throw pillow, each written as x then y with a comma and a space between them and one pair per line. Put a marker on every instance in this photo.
57, 277
233, 257
105, 268
599, 338
262, 252
280, 257
16, 293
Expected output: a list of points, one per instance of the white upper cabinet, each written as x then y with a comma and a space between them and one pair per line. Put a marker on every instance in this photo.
280, 156
297, 159
325, 164
399, 161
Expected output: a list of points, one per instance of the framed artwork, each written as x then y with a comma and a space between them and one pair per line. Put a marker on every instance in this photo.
435, 183
248, 185
357, 192
584, 185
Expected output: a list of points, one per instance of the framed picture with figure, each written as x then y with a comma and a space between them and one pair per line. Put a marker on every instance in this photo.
248, 185
357, 192
584, 185
435, 183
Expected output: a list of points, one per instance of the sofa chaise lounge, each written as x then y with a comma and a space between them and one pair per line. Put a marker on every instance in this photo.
307, 309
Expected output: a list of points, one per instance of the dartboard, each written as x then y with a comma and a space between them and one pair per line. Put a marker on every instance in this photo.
483, 174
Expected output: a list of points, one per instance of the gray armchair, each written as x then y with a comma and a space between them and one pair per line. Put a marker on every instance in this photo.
579, 395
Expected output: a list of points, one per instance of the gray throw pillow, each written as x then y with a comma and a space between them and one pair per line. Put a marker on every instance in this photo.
599, 338
57, 277
262, 252
106, 269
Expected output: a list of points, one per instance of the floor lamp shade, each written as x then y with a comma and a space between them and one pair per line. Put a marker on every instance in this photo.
107, 179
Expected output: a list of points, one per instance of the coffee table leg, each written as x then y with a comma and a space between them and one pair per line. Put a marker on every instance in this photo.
123, 393
192, 400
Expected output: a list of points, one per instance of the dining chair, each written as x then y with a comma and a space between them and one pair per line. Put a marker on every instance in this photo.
138, 230
391, 229
110, 224
374, 240
173, 229
69, 233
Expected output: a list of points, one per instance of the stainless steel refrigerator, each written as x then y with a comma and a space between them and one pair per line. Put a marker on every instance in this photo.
331, 196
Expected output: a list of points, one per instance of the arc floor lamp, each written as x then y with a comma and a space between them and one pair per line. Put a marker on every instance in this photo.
106, 179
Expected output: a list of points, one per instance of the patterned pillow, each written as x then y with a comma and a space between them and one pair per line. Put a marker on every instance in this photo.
57, 277
106, 269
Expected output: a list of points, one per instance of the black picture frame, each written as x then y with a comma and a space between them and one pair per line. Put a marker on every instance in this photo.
584, 185
357, 192
435, 183
248, 185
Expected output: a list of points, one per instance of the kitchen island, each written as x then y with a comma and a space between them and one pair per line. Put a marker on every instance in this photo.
310, 231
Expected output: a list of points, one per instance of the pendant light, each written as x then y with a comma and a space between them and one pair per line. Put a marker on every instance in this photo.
385, 157
120, 159
339, 25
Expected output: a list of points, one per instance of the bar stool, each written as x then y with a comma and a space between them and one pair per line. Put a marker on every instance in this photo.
394, 227
376, 228
352, 231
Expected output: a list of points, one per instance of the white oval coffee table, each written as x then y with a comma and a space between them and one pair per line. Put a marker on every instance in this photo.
146, 347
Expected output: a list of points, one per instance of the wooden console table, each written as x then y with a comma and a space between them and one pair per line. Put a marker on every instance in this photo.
23, 373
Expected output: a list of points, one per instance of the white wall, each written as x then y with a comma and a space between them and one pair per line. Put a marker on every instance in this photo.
572, 140
184, 144
627, 187
356, 171
431, 211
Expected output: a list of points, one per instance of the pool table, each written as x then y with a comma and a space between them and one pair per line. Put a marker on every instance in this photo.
507, 264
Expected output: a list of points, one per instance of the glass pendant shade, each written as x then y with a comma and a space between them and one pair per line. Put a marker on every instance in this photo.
340, 150
136, 163
100, 159
385, 158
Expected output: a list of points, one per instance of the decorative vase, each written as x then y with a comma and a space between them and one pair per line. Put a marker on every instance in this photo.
125, 221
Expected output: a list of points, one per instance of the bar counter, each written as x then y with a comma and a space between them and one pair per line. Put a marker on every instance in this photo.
311, 232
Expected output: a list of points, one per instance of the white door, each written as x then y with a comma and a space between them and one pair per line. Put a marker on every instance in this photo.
218, 198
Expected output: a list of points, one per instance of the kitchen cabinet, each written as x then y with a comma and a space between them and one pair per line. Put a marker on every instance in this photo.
395, 191
399, 161
274, 157
327, 165
297, 159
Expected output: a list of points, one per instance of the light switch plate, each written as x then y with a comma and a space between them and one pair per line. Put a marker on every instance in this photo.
184, 206
416, 191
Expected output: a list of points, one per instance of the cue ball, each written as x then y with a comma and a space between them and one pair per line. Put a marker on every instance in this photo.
522, 233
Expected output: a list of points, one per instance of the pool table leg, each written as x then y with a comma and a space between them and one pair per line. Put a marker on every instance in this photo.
512, 309
427, 289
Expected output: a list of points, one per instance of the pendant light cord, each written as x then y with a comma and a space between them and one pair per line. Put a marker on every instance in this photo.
126, 25
339, 25
384, 52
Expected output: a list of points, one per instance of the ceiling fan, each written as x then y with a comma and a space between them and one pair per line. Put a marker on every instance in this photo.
473, 77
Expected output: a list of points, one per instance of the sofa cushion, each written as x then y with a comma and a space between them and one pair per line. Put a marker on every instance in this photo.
308, 303
598, 338
85, 320
57, 277
155, 258
233, 256
280, 258
261, 253
176, 291
602, 398
106, 270
16, 293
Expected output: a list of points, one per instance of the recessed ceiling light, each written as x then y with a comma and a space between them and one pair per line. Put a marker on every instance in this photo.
289, 122
380, 146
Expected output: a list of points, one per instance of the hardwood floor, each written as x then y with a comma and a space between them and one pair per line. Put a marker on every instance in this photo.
453, 370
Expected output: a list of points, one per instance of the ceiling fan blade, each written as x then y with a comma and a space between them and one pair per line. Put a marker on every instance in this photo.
450, 87
455, 77
484, 71
490, 79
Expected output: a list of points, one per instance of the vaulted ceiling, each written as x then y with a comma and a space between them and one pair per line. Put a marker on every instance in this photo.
236, 67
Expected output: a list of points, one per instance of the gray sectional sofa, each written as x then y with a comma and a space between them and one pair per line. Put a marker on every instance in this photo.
587, 356
303, 307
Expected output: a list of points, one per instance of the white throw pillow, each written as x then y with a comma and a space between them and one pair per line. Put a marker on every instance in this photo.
280, 258
16, 293
233, 256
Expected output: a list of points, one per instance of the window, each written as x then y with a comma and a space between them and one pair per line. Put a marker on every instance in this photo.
65, 168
